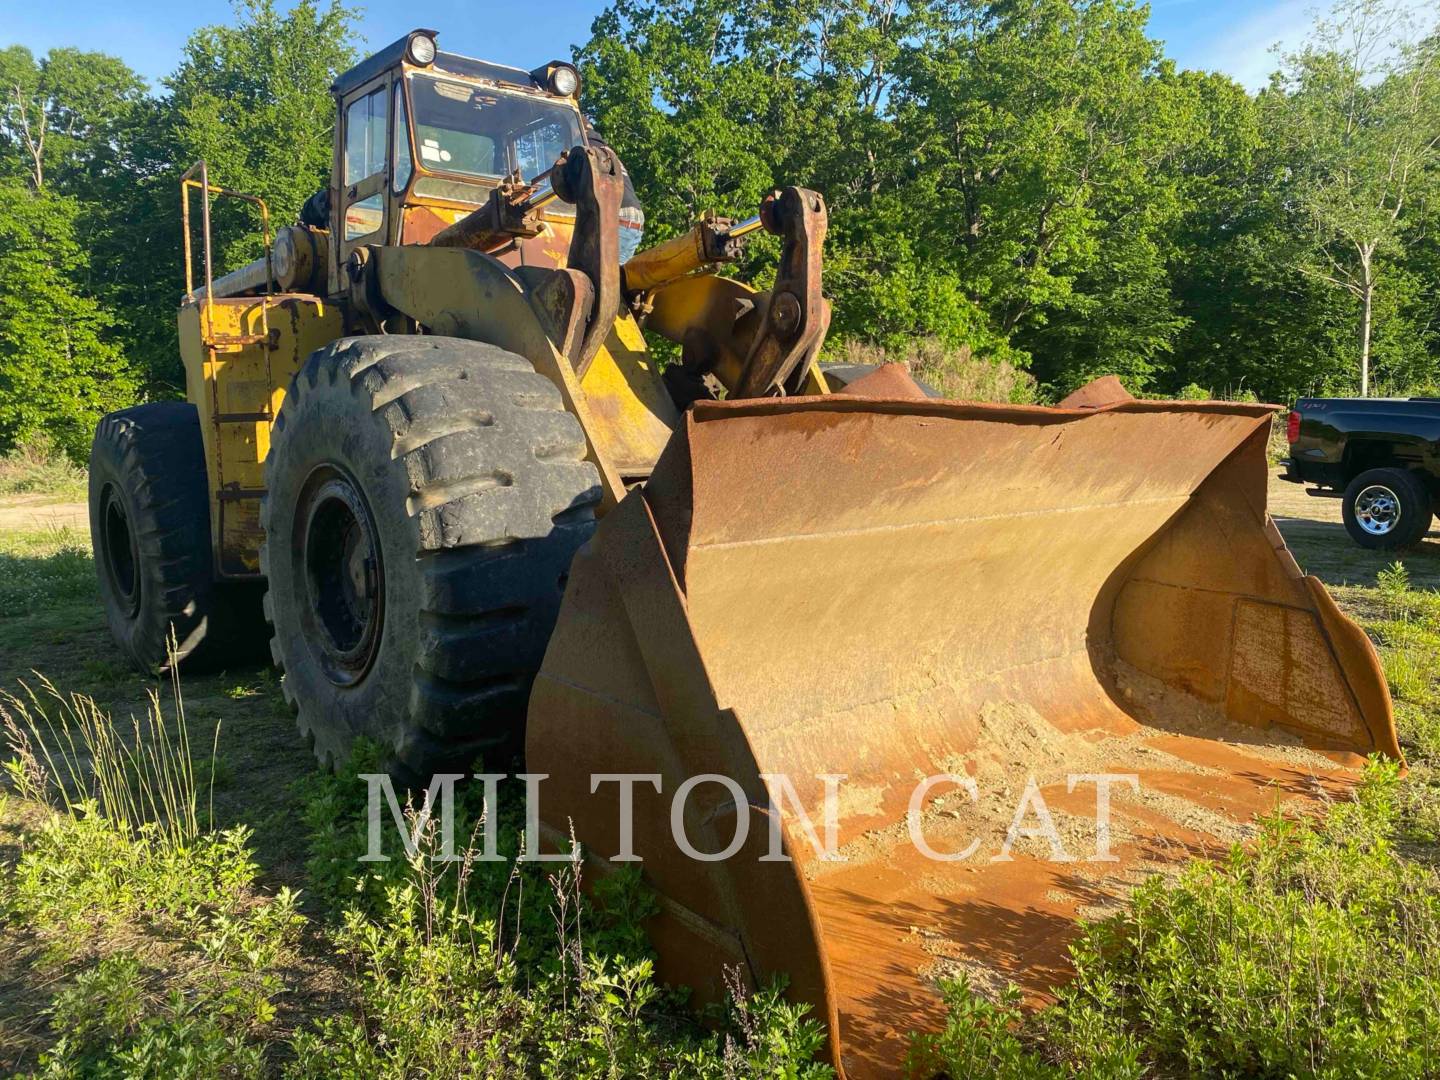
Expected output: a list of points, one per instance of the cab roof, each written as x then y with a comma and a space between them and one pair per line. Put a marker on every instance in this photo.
454, 63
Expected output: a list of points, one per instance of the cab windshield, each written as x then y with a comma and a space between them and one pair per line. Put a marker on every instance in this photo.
483, 132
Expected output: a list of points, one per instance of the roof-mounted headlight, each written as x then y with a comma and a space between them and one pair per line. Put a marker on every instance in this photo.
564, 80
558, 77
421, 49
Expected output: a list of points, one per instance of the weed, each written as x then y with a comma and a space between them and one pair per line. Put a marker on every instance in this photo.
140, 779
498, 968
113, 1026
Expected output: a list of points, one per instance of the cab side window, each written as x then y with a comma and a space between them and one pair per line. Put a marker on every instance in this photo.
365, 137
402, 141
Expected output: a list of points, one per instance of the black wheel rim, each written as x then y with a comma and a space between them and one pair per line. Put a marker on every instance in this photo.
343, 596
120, 549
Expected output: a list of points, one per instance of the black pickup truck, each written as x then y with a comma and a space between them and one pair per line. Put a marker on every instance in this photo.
1381, 455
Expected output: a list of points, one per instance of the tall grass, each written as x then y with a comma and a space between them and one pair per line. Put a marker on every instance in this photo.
37, 467
954, 371
73, 756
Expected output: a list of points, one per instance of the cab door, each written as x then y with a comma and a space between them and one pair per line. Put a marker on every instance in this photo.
359, 197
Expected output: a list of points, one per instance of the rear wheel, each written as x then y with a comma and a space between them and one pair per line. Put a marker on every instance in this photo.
150, 531
425, 498
1387, 509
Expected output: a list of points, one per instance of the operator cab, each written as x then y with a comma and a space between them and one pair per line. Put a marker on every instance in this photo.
423, 136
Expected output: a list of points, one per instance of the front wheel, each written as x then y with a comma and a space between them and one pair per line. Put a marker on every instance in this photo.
1387, 509
425, 496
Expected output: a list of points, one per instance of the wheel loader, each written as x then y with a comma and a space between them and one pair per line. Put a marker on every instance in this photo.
425, 435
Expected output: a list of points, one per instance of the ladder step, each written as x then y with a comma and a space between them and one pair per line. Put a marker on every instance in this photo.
242, 417
238, 339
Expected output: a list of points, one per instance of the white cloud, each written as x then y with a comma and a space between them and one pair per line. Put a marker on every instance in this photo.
1249, 47
1246, 50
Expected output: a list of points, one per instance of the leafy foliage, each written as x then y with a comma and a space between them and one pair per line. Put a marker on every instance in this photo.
1312, 954
1032, 183
1354, 113
59, 371
253, 100
1030, 180
89, 171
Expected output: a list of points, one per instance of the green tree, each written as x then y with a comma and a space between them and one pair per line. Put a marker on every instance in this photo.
60, 115
691, 96
1357, 112
58, 371
254, 101
1046, 137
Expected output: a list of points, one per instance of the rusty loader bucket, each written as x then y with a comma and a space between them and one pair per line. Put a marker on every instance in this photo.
904, 594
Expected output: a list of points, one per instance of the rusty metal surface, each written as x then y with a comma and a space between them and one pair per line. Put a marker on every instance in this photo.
894, 589
797, 315
511, 211
591, 178
891, 381
1106, 390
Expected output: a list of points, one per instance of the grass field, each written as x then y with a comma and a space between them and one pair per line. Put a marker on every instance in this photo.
245, 940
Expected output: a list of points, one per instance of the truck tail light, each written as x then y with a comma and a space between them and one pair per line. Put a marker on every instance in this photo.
1292, 426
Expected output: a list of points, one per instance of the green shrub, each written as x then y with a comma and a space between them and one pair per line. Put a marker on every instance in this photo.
980, 1038
117, 853
38, 467
1314, 953
503, 968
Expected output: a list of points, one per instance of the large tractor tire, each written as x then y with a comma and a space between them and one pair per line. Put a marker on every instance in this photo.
425, 498
150, 531
1387, 509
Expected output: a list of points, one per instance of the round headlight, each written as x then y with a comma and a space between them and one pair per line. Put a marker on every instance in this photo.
422, 49
564, 81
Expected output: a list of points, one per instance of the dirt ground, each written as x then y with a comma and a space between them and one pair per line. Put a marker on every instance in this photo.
39, 512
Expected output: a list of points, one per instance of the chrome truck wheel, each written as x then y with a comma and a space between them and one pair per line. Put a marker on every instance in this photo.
1386, 509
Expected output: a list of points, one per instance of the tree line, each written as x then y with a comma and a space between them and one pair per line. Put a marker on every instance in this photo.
1030, 183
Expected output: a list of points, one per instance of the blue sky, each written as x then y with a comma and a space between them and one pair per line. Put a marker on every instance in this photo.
1233, 36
